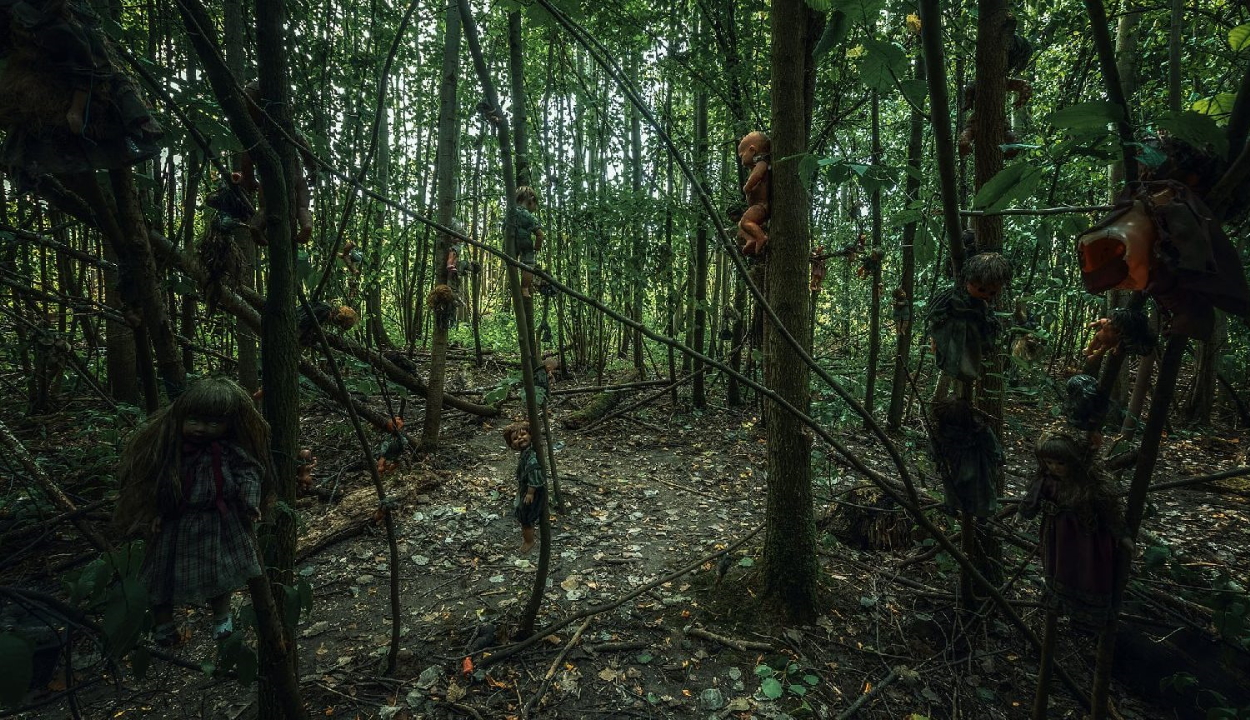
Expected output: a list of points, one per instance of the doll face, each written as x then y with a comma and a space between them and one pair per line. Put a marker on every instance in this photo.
983, 291
747, 150
1055, 468
520, 439
205, 428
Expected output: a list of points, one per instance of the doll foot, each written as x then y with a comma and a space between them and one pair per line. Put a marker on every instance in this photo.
223, 628
526, 546
169, 634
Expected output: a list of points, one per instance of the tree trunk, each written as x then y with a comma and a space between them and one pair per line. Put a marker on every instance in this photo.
789, 562
236, 59
907, 273
445, 177
697, 395
874, 312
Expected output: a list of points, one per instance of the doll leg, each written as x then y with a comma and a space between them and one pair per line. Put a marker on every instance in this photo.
750, 232
223, 624
527, 279
527, 539
165, 631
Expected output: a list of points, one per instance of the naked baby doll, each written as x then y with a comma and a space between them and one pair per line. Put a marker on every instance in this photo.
755, 152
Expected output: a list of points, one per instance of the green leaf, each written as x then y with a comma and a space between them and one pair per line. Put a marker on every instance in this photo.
140, 659
861, 11
746, 562
884, 62
1155, 556
986, 694
1196, 129
771, 688
811, 680
124, 616
836, 29
867, 601
807, 170
915, 91
799, 690
1239, 37
247, 666
1087, 116
17, 657
764, 671
1015, 181
495, 396
1221, 104
644, 658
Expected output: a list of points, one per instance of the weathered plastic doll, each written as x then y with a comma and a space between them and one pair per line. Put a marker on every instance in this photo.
961, 318
1084, 542
191, 479
755, 152
531, 494
529, 233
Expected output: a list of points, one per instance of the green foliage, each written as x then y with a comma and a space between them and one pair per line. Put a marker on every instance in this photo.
17, 657
786, 679
1196, 129
1014, 182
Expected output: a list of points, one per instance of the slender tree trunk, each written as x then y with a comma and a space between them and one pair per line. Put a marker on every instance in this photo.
789, 562
698, 396
236, 59
445, 178
874, 312
907, 273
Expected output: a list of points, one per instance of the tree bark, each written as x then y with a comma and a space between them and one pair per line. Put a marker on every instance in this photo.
789, 563
874, 312
698, 396
445, 178
907, 272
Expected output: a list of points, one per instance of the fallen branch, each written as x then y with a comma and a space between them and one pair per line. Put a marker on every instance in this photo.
733, 643
611, 388
863, 699
551, 671
508, 651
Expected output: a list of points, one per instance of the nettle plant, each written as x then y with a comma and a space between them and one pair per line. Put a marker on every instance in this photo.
788, 680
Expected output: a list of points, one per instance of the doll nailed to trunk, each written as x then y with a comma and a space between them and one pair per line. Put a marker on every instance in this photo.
531, 492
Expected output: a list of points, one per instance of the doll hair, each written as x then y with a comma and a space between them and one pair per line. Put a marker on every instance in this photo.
987, 268
148, 476
1133, 327
1085, 488
1085, 405
524, 194
510, 432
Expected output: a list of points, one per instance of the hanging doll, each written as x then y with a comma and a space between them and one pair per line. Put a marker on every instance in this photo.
755, 152
531, 491
66, 105
961, 319
191, 481
1084, 542
968, 454
529, 233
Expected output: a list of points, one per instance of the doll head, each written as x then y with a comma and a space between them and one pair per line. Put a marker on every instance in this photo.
149, 468
1061, 456
985, 274
754, 145
517, 435
527, 198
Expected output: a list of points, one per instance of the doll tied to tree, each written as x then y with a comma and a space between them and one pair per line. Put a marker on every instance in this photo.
961, 319
529, 233
755, 152
191, 481
531, 483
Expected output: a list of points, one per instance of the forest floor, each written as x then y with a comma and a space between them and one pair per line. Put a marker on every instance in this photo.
645, 496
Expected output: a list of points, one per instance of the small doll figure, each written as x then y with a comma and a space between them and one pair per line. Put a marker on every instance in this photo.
1084, 542
531, 494
819, 269
961, 319
529, 233
305, 463
191, 481
755, 152
901, 312
328, 316
968, 454
246, 176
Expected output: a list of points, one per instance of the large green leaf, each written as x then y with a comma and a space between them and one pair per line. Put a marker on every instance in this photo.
124, 615
884, 62
1087, 115
1196, 129
1221, 104
1015, 181
915, 91
808, 166
836, 29
1239, 37
861, 11
17, 657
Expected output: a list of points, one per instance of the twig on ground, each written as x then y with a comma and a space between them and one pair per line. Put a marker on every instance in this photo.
734, 643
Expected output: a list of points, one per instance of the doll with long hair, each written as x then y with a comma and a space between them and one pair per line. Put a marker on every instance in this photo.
191, 482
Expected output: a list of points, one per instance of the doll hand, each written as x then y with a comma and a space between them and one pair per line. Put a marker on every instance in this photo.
529, 496
254, 514
156, 525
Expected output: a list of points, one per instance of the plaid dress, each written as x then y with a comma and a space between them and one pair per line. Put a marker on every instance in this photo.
529, 474
207, 547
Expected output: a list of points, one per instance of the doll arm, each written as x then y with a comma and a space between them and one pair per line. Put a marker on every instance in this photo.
538, 237
248, 479
534, 476
758, 173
